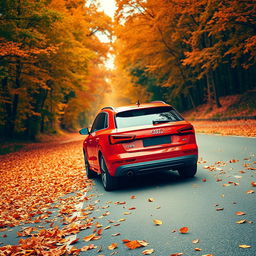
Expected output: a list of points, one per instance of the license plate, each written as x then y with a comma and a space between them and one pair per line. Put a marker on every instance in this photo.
158, 140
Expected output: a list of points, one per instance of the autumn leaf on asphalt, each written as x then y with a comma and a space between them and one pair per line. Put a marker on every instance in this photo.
89, 238
133, 197
112, 246
219, 209
177, 254
250, 191
99, 232
204, 180
126, 240
244, 246
132, 208
127, 213
233, 161
241, 221
148, 251
120, 202
195, 241
151, 199
184, 230
253, 183
240, 213
120, 220
88, 247
116, 234
198, 249
157, 222
135, 244
74, 241
107, 227
208, 255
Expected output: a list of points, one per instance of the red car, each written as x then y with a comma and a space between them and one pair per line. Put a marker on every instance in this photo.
139, 139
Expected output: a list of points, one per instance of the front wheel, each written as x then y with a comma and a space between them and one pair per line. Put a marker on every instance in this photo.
109, 182
188, 171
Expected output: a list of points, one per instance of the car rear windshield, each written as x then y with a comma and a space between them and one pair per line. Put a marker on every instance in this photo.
148, 116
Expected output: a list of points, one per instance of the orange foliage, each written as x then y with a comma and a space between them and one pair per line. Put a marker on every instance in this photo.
233, 127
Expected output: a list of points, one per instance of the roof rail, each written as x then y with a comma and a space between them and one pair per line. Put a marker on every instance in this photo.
108, 108
158, 101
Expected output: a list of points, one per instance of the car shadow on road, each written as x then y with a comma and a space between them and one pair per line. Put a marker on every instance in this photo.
149, 181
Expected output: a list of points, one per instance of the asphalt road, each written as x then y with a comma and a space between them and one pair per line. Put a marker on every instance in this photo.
191, 203
194, 203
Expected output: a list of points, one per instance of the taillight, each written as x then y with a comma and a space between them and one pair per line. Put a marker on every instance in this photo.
114, 139
186, 129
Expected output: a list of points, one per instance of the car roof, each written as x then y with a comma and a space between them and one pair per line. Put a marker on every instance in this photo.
138, 106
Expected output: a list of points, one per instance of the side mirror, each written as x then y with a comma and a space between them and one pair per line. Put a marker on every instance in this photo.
84, 131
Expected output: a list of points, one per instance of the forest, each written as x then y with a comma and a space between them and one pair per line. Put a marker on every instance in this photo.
52, 61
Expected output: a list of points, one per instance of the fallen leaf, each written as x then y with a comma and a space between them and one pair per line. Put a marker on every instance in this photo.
148, 251
244, 246
126, 240
250, 191
112, 246
241, 221
88, 247
219, 209
157, 222
73, 241
204, 180
151, 199
177, 254
195, 241
116, 234
184, 230
240, 213
120, 202
121, 220
127, 213
253, 183
135, 244
107, 227
198, 249
133, 197
89, 238
132, 208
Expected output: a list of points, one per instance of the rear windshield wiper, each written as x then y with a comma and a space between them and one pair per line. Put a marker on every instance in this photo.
161, 121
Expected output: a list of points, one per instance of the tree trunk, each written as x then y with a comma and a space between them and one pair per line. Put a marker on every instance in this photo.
211, 90
8, 107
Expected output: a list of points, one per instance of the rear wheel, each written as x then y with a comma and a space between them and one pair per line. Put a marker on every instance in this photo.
109, 182
188, 171
89, 172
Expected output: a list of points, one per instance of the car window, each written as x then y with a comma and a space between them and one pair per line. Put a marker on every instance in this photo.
149, 116
100, 122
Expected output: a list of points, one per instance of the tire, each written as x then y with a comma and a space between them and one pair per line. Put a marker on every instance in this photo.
89, 172
109, 182
188, 171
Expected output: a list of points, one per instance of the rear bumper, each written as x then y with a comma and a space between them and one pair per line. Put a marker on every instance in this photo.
156, 165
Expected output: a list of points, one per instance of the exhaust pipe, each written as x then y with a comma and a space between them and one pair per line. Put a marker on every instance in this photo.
130, 173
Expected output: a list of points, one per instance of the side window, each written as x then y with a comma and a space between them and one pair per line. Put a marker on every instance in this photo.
100, 122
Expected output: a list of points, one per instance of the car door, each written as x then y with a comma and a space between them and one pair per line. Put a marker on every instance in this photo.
93, 140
